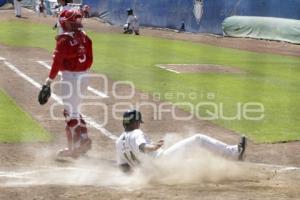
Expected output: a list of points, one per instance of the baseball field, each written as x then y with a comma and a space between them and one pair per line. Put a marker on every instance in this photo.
183, 84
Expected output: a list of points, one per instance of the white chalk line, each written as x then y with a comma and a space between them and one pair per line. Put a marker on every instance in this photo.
281, 167
93, 90
53, 170
165, 68
88, 119
97, 126
26, 174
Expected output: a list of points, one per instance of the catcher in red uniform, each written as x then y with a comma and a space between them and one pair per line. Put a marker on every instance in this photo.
72, 56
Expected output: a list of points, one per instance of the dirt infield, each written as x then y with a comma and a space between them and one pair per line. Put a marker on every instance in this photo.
29, 171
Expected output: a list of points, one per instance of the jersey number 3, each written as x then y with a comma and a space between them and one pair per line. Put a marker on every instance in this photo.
82, 59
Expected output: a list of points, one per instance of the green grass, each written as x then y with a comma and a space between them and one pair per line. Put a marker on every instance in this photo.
272, 80
16, 125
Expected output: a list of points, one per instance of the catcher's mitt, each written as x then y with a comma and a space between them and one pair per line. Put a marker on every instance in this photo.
44, 94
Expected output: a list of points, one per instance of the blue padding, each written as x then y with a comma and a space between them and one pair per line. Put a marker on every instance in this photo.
2, 2
171, 13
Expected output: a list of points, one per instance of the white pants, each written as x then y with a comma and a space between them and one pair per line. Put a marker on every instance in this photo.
17, 5
203, 142
73, 89
134, 27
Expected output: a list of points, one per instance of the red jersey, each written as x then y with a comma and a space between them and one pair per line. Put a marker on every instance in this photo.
73, 53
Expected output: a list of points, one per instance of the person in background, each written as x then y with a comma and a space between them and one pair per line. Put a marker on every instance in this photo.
132, 23
182, 27
17, 5
64, 5
55, 9
86, 11
42, 8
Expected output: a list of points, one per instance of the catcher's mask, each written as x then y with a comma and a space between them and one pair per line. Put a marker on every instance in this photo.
70, 20
132, 116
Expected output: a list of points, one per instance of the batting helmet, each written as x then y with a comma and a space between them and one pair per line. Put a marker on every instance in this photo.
131, 116
129, 11
72, 17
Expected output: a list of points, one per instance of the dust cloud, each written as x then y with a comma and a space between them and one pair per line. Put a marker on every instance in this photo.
193, 166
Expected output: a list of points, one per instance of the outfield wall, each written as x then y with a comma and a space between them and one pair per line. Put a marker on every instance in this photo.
2, 2
198, 15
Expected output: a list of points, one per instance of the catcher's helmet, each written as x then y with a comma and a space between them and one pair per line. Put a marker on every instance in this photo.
131, 116
73, 17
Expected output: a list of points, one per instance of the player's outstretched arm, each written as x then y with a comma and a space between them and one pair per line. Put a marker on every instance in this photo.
147, 148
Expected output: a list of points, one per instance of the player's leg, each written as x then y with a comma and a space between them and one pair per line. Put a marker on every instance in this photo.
85, 141
204, 142
127, 29
39, 10
76, 131
72, 121
19, 9
17, 5
136, 29
130, 28
66, 92
73, 134
78, 141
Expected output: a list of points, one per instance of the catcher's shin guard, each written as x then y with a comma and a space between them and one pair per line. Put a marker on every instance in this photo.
77, 136
73, 131
85, 141
85, 146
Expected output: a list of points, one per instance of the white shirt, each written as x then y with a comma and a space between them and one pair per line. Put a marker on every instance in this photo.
127, 146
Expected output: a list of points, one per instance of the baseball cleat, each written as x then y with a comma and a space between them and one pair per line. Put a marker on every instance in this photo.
65, 153
242, 147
